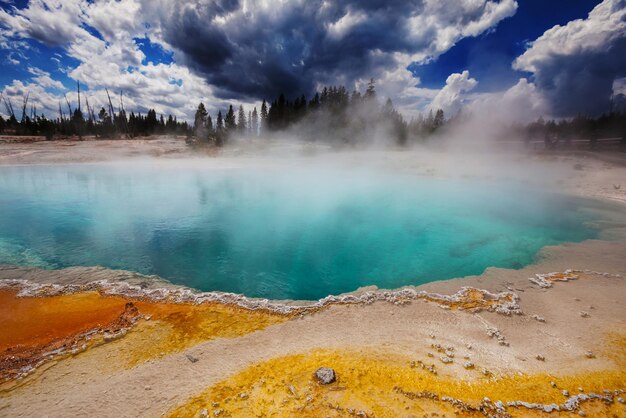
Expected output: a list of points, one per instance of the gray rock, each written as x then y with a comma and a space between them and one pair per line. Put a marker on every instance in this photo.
325, 375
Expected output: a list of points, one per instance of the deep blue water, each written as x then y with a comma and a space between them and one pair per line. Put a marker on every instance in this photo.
297, 234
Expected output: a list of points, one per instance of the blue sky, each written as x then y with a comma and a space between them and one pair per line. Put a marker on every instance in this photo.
489, 57
541, 55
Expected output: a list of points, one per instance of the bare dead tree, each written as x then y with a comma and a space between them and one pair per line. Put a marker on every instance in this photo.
111, 111
123, 112
24, 104
78, 89
69, 108
8, 106
89, 110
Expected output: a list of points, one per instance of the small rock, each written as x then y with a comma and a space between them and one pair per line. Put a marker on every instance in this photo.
191, 358
468, 365
589, 354
204, 413
540, 357
565, 393
446, 359
582, 414
469, 346
217, 412
580, 389
147, 388
539, 318
292, 390
584, 314
553, 384
621, 400
243, 395
215, 404
325, 375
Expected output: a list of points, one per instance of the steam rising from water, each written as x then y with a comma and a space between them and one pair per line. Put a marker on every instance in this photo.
297, 228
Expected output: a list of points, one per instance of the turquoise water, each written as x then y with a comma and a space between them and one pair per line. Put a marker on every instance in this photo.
282, 234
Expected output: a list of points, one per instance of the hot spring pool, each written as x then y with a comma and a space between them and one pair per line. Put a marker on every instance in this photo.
281, 234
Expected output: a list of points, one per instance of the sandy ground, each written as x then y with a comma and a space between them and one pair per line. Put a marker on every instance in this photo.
74, 151
583, 315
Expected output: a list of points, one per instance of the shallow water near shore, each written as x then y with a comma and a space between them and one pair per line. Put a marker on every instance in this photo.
301, 233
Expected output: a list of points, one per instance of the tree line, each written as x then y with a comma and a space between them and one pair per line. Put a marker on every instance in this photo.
608, 125
107, 123
332, 114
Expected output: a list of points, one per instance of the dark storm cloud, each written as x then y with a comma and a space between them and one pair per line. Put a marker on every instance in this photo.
574, 66
582, 83
262, 48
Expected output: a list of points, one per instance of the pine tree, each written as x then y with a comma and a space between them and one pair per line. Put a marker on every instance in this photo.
430, 122
151, 122
439, 119
200, 121
264, 116
254, 122
220, 122
301, 108
241, 120
315, 102
395, 121
281, 113
386, 109
370, 93
324, 96
229, 121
